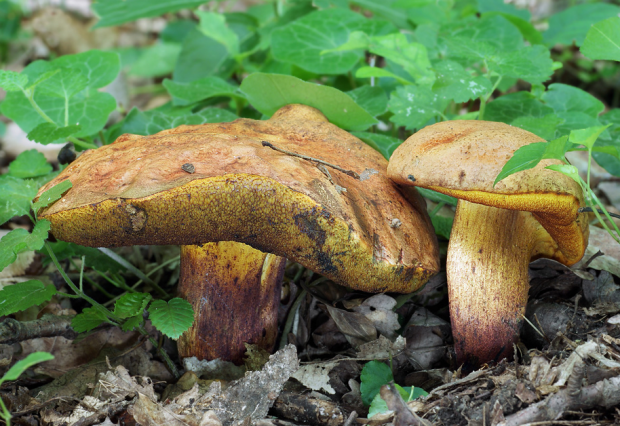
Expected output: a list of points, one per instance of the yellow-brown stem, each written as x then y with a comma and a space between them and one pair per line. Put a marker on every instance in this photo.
235, 292
487, 266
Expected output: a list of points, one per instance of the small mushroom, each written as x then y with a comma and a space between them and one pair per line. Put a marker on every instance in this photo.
241, 191
497, 230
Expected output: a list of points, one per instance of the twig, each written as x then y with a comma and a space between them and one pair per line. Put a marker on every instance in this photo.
589, 210
316, 160
13, 331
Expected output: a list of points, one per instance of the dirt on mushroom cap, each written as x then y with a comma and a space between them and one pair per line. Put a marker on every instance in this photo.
135, 191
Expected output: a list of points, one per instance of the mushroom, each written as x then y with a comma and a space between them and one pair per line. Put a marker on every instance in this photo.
497, 230
240, 189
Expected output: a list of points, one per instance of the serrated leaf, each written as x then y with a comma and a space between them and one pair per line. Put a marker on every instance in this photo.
100, 68
89, 319
19, 241
414, 106
201, 56
269, 92
509, 107
455, 83
411, 56
15, 196
528, 31
131, 304
23, 295
150, 122
573, 23
302, 41
524, 158
51, 195
28, 164
602, 40
490, 35
372, 99
199, 90
532, 64
374, 375
382, 143
22, 365
131, 323
46, 133
12, 81
172, 318
556, 149
115, 12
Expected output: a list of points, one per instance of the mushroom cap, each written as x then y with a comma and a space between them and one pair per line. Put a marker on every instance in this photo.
462, 158
137, 191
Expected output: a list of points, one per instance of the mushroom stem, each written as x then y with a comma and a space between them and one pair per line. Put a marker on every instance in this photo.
235, 292
487, 267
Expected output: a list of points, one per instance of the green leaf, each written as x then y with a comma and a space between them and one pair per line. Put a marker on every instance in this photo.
374, 375
437, 197
498, 6
199, 90
368, 72
414, 106
302, 41
46, 133
132, 322
455, 83
545, 126
532, 64
572, 24
131, 304
382, 143
22, 365
602, 40
213, 25
115, 12
372, 99
15, 196
490, 35
564, 98
150, 122
378, 405
269, 92
100, 68
28, 164
12, 81
556, 149
567, 170
19, 241
411, 56
524, 158
386, 9
509, 107
64, 84
93, 257
587, 137
51, 195
157, 60
172, 318
23, 295
442, 225
528, 31
201, 56
89, 319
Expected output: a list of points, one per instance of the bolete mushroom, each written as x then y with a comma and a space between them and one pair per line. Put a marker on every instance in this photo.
217, 183
497, 230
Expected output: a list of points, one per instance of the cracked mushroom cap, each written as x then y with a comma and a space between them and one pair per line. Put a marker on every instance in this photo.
476, 151
217, 182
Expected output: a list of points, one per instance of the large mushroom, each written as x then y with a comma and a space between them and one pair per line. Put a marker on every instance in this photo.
497, 230
210, 187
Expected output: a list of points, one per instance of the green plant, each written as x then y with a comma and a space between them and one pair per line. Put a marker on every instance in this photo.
376, 374
15, 371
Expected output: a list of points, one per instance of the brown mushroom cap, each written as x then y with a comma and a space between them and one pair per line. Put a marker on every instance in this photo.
136, 191
462, 158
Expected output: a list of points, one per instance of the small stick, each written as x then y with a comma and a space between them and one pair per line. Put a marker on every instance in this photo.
316, 160
589, 210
